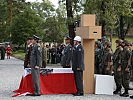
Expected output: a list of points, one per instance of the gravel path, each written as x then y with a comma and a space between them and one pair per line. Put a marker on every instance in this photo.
10, 75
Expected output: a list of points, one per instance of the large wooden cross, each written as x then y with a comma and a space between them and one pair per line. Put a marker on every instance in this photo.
89, 32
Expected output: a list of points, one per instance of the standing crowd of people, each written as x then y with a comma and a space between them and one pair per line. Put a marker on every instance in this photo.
5, 50
71, 56
118, 63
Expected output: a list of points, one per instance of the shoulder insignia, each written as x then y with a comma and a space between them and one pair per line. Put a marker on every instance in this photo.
39, 48
79, 49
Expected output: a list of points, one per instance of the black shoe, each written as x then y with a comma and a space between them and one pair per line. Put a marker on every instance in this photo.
79, 94
37, 95
28, 94
74, 93
33, 95
124, 94
117, 92
131, 97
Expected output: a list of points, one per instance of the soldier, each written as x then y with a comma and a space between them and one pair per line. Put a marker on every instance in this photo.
116, 69
53, 54
28, 52
107, 59
67, 53
3, 51
98, 69
132, 68
48, 53
125, 58
132, 57
78, 65
44, 56
36, 63
58, 57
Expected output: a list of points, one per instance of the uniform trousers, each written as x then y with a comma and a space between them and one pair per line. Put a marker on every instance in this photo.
78, 76
36, 80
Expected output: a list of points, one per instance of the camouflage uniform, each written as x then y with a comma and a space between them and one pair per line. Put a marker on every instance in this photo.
98, 68
117, 73
107, 58
125, 58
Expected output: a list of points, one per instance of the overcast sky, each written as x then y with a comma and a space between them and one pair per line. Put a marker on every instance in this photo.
55, 2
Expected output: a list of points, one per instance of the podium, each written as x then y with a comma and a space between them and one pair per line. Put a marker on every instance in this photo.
88, 32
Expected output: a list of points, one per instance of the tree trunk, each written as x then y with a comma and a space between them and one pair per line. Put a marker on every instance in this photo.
126, 31
102, 21
69, 19
10, 4
122, 35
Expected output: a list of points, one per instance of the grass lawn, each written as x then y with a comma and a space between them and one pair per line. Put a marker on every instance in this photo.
19, 54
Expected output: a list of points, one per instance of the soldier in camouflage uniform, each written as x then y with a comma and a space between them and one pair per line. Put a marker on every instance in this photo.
98, 69
132, 67
116, 69
125, 58
102, 51
107, 58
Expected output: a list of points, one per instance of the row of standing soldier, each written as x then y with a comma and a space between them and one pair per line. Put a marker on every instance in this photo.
120, 63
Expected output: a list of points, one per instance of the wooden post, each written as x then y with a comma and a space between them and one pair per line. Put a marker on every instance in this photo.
89, 32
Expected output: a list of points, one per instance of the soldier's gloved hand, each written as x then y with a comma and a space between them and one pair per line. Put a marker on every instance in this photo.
78, 69
119, 69
37, 67
28, 65
107, 68
127, 69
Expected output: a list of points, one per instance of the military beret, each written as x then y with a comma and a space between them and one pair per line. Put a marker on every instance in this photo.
126, 42
119, 41
29, 38
108, 43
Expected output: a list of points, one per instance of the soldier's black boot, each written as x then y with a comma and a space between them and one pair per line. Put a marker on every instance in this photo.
125, 94
131, 97
117, 91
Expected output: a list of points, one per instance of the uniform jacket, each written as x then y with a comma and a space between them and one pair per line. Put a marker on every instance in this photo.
36, 56
27, 56
78, 58
116, 54
107, 56
125, 57
67, 56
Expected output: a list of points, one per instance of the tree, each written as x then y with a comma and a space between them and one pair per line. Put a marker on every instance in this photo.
54, 21
24, 25
3, 19
110, 14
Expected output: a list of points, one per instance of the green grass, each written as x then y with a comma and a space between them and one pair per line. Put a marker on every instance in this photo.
19, 54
